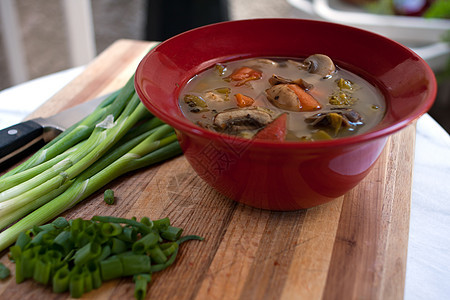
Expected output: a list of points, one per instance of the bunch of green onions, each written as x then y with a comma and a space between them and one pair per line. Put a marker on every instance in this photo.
118, 137
78, 255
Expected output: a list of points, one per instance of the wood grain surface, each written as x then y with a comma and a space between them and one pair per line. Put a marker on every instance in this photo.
351, 248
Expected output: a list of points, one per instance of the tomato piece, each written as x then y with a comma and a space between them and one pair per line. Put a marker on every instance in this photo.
275, 130
245, 74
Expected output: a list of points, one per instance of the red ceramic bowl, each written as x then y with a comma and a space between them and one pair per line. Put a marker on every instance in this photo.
284, 175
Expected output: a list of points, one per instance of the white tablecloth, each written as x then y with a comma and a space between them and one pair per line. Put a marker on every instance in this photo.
428, 264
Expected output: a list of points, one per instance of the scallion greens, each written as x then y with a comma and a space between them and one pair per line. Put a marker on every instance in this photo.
78, 255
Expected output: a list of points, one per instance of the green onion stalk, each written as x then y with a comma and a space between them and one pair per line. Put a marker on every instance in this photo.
106, 134
118, 137
65, 140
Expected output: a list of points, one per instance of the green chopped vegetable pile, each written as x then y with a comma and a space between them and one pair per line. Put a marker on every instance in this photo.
119, 136
4, 271
78, 255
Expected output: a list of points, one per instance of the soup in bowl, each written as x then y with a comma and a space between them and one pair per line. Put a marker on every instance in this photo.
325, 149
282, 99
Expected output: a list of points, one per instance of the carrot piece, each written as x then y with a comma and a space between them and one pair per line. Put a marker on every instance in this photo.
244, 101
244, 74
308, 103
275, 130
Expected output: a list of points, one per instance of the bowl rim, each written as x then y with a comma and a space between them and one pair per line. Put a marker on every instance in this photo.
188, 127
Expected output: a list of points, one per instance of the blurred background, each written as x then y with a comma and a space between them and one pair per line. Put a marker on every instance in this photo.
40, 37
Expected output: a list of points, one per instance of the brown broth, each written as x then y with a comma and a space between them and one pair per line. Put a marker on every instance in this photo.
369, 101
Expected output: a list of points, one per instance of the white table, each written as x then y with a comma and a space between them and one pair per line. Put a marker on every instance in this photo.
428, 262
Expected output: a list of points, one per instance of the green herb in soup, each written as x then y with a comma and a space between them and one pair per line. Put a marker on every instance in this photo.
282, 99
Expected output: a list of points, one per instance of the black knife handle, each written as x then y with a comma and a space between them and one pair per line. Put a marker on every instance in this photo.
18, 138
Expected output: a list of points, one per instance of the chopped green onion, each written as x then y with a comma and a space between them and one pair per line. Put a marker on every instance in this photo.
146, 221
20, 275
189, 238
161, 224
108, 196
128, 234
78, 255
46, 227
60, 222
87, 280
29, 258
76, 285
53, 256
157, 255
135, 264
42, 270
168, 263
169, 248
64, 241
106, 251
94, 269
111, 268
60, 281
140, 288
84, 237
111, 229
138, 225
148, 241
171, 233
23, 239
118, 246
87, 253
15, 252
4, 271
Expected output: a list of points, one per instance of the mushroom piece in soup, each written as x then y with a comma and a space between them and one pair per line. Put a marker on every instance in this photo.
321, 100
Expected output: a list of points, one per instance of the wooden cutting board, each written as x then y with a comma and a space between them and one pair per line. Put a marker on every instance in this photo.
351, 248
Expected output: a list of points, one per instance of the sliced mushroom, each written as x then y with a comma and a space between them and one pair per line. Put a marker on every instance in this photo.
276, 79
291, 97
351, 114
320, 64
283, 97
336, 119
237, 119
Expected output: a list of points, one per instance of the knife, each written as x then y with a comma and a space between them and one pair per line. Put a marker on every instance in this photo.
20, 138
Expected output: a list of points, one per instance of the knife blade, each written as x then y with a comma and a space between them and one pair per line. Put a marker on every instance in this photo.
26, 135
